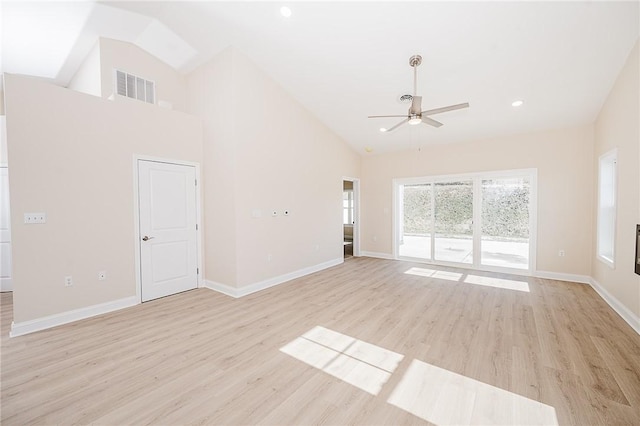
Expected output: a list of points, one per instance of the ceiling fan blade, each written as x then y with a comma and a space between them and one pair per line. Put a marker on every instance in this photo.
431, 121
445, 109
385, 116
416, 105
397, 125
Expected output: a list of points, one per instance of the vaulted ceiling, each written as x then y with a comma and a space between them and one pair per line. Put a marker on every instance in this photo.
346, 60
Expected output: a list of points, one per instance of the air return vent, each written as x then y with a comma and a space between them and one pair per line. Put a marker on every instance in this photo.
135, 87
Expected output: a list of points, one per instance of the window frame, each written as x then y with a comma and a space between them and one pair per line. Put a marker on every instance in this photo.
609, 158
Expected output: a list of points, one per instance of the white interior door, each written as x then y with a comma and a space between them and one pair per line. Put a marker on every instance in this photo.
168, 234
5, 233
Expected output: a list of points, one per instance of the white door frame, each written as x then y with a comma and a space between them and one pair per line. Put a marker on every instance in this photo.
356, 213
6, 284
136, 217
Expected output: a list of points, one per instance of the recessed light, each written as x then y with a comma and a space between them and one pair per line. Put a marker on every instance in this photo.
517, 103
285, 11
383, 129
368, 149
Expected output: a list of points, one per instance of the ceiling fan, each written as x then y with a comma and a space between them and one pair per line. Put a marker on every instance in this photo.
415, 115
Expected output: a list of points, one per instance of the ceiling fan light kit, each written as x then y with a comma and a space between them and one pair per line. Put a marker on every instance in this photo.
415, 115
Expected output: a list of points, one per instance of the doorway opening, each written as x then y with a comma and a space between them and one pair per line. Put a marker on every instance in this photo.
350, 214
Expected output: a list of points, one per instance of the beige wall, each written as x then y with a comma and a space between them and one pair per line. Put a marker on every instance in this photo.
114, 54
264, 152
209, 94
88, 77
564, 161
76, 165
618, 126
286, 159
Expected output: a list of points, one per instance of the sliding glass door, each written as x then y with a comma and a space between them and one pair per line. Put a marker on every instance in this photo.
505, 222
454, 221
481, 220
416, 221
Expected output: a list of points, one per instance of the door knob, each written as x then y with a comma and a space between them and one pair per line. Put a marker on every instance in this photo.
147, 238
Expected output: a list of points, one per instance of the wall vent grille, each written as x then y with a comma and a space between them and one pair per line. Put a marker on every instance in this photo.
135, 87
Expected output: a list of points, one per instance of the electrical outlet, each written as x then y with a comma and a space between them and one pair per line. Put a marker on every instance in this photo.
68, 281
102, 275
269, 257
561, 253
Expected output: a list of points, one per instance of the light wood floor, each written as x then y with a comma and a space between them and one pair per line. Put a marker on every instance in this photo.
204, 358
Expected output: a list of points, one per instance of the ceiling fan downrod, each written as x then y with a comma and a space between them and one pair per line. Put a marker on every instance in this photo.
415, 61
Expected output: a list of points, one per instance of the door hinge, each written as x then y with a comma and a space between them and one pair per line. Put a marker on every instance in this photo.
197, 271
196, 226
196, 182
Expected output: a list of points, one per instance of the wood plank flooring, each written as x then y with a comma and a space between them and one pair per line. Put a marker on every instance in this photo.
470, 353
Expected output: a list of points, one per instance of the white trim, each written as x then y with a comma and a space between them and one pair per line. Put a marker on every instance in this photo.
227, 290
377, 255
6, 284
560, 276
26, 327
271, 282
611, 154
136, 217
632, 319
356, 213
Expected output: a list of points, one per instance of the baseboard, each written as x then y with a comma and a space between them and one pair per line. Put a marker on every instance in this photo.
632, 319
6, 284
376, 255
271, 282
221, 288
31, 326
583, 279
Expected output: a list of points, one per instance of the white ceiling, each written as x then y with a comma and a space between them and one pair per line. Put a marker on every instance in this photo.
346, 60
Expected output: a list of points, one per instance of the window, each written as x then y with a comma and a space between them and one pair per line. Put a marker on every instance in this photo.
347, 204
484, 220
607, 202
135, 87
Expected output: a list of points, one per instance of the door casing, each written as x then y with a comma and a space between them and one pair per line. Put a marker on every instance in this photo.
136, 215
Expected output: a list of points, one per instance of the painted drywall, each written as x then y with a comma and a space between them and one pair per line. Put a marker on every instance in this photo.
114, 54
286, 160
564, 161
1, 102
76, 165
209, 91
88, 77
272, 155
618, 126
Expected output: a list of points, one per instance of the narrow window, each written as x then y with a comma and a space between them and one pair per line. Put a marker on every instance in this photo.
607, 202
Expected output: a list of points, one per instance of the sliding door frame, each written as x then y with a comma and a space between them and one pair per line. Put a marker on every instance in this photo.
477, 179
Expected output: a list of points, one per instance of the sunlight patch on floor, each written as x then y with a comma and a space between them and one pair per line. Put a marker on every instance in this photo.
519, 285
358, 363
445, 398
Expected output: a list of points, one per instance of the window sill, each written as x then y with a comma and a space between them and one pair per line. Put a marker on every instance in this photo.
609, 262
